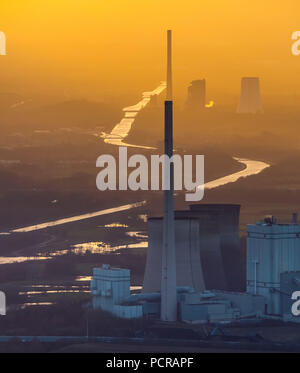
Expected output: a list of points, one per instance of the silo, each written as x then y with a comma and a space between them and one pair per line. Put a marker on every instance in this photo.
188, 261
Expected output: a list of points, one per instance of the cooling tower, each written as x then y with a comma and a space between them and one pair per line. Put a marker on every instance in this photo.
250, 100
219, 244
215, 259
209, 248
188, 261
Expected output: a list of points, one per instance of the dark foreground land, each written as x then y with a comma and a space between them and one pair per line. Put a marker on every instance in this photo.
145, 336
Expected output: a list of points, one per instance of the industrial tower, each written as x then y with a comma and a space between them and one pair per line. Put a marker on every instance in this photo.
168, 273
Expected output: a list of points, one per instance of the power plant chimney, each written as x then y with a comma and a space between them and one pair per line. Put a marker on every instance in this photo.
250, 100
168, 273
169, 67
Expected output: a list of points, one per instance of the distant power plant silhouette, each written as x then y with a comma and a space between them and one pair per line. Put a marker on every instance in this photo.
196, 95
250, 100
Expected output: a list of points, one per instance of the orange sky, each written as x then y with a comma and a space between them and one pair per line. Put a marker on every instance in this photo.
93, 48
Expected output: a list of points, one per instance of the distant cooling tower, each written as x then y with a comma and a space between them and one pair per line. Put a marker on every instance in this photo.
207, 245
196, 95
188, 261
250, 100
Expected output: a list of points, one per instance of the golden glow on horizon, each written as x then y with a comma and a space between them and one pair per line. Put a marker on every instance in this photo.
118, 46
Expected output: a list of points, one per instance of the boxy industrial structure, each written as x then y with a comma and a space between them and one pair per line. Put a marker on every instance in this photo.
110, 288
271, 250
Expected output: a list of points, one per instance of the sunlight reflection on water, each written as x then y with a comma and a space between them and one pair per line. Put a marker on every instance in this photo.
252, 168
78, 218
122, 129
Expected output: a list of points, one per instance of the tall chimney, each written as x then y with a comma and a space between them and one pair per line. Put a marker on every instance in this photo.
250, 100
169, 67
168, 280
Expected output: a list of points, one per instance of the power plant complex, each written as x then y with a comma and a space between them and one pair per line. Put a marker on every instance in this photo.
190, 269
273, 273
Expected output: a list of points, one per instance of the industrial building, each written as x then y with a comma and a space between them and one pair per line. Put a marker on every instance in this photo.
110, 288
272, 249
273, 273
216, 306
250, 99
196, 95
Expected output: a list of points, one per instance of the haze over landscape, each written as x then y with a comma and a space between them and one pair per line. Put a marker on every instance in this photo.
104, 50
82, 77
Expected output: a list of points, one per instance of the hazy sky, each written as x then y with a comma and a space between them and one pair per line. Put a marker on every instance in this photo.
95, 47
